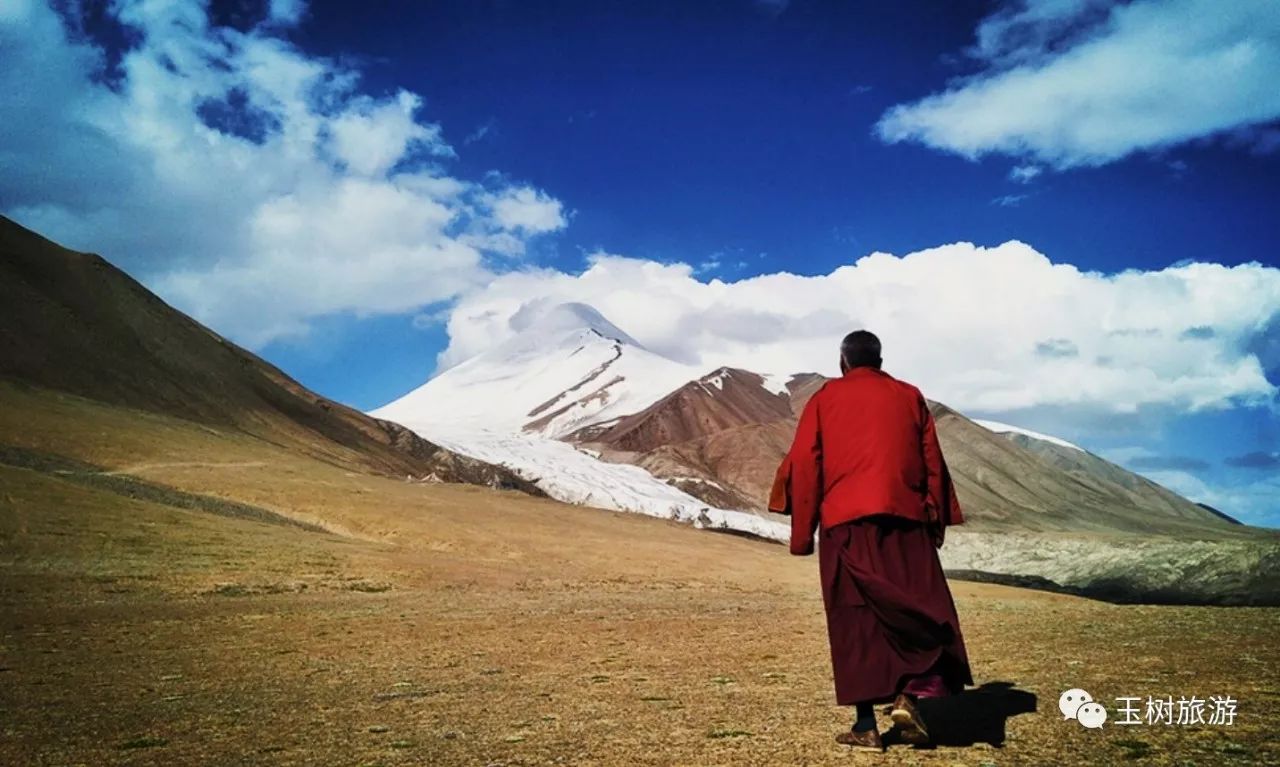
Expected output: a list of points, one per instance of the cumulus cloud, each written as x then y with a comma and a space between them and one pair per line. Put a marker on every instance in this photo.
369, 137
1073, 83
251, 184
526, 209
995, 329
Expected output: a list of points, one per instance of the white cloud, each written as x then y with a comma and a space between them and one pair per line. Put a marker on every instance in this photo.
312, 257
526, 209
249, 183
370, 137
1024, 174
984, 329
1077, 83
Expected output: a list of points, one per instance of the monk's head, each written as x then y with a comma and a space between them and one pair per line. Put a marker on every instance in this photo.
860, 349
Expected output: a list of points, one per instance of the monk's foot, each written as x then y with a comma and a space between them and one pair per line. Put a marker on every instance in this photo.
867, 740
910, 726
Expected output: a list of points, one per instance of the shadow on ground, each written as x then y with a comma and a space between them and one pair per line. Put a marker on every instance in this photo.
973, 716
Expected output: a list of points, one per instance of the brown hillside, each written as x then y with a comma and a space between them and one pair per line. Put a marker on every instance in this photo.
74, 323
1003, 484
718, 401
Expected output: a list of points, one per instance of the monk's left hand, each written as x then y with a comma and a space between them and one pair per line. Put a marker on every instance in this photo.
801, 548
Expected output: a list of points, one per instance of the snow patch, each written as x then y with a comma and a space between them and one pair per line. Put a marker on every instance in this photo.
1004, 428
567, 474
716, 379
566, 368
776, 384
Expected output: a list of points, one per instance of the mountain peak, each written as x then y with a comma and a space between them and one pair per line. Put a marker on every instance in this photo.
566, 367
540, 317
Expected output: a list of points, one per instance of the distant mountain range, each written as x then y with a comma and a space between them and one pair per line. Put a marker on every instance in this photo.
570, 375
577, 406
574, 408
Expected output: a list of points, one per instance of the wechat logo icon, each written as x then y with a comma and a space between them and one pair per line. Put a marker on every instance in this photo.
1079, 705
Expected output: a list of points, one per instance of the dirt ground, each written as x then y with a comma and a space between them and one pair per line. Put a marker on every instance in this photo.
458, 625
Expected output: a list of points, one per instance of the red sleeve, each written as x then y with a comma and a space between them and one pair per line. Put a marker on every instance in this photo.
805, 457
941, 506
780, 493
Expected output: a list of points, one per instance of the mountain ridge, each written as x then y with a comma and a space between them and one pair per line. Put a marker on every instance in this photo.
1031, 494
96, 369
75, 323
569, 373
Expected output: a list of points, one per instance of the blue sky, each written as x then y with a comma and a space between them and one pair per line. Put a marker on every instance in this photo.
356, 191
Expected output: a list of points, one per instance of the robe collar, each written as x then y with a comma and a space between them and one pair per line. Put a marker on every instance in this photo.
862, 371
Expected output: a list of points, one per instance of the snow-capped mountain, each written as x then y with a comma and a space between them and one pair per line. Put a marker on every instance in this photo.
566, 369
590, 416
571, 399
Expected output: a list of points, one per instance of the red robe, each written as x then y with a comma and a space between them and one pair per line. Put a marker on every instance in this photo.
866, 467
866, 444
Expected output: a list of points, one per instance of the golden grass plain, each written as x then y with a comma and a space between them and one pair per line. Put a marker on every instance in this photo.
440, 624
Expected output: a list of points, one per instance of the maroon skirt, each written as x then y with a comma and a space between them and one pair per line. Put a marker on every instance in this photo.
890, 617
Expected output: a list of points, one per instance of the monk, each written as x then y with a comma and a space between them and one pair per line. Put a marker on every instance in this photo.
866, 468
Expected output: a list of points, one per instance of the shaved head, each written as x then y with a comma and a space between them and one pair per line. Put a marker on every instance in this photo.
859, 349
